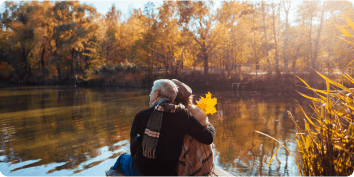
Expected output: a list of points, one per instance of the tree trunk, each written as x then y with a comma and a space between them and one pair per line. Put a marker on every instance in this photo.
317, 41
310, 58
286, 46
265, 37
151, 69
295, 58
286, 36
71, 63
206, 67
176, 70
294, 63
256, 68
227, 69
24, 60
171, 69
42, 63
78, 60
166, 66
310, 40
166, 70
71, 69
107, 53
223, 68
228, 62
151, 64
29, 70
276, 47
59, 73
254, 44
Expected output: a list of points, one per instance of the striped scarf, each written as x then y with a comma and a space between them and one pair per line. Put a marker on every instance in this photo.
153, 127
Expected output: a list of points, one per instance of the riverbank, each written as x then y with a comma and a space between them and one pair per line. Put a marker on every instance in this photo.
287, 83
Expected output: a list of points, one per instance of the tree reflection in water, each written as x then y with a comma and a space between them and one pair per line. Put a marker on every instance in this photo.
66, 125
46, 125
243, 152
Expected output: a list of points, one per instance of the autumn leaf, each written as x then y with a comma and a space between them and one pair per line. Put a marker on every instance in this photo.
207, 104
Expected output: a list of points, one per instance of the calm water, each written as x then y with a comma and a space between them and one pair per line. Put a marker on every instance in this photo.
62, 131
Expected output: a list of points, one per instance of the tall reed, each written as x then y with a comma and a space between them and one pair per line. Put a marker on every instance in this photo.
326, 145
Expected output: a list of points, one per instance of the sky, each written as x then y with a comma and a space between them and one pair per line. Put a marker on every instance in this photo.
127, 6
104, 6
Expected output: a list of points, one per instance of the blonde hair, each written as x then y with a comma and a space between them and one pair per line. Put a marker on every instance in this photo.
166, 87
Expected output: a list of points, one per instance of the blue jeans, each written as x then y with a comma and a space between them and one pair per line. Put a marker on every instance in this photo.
125, 163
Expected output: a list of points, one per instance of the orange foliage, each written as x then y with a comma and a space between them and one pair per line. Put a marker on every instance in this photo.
5, 69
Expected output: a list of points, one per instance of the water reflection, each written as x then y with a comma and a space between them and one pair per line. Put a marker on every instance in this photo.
68, 131
65, 125
243, 152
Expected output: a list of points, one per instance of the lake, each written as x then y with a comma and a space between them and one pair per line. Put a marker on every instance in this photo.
62, 131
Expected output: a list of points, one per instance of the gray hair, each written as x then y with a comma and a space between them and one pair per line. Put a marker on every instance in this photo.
166, 88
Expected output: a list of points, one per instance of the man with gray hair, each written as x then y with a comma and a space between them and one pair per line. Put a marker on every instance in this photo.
160, 131
163, 88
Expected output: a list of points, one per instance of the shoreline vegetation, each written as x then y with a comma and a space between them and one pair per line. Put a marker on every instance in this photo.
326, 144
70, 43
289, 83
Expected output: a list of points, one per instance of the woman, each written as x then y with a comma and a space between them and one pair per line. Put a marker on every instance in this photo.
196, 158
162, 128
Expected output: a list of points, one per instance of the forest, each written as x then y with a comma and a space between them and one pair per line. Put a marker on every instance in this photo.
250, 43
278, 46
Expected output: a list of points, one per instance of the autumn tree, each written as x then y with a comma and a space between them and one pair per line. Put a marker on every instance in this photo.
112, 21
43, 32
275, 7
233, 33
265, 45
144, 50
286, 4
256, 39
71, 31
172, 47
20, 29
196, 19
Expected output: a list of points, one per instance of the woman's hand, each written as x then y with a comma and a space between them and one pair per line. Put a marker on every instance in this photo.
207, 123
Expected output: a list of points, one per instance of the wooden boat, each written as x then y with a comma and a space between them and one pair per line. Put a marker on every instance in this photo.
217, 171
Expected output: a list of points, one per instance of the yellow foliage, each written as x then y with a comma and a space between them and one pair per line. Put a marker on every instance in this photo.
207, 104
332, 132
345, 32
350, 24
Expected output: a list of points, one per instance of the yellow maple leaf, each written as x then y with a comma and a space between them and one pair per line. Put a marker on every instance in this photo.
207, 104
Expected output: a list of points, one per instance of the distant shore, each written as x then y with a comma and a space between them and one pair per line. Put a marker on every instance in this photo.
288, 84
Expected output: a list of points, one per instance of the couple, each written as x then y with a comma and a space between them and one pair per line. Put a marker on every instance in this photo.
174, 136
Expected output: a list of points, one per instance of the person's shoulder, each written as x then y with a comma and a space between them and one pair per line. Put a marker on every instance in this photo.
185, 113
196, 112
145, 112
192, 107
